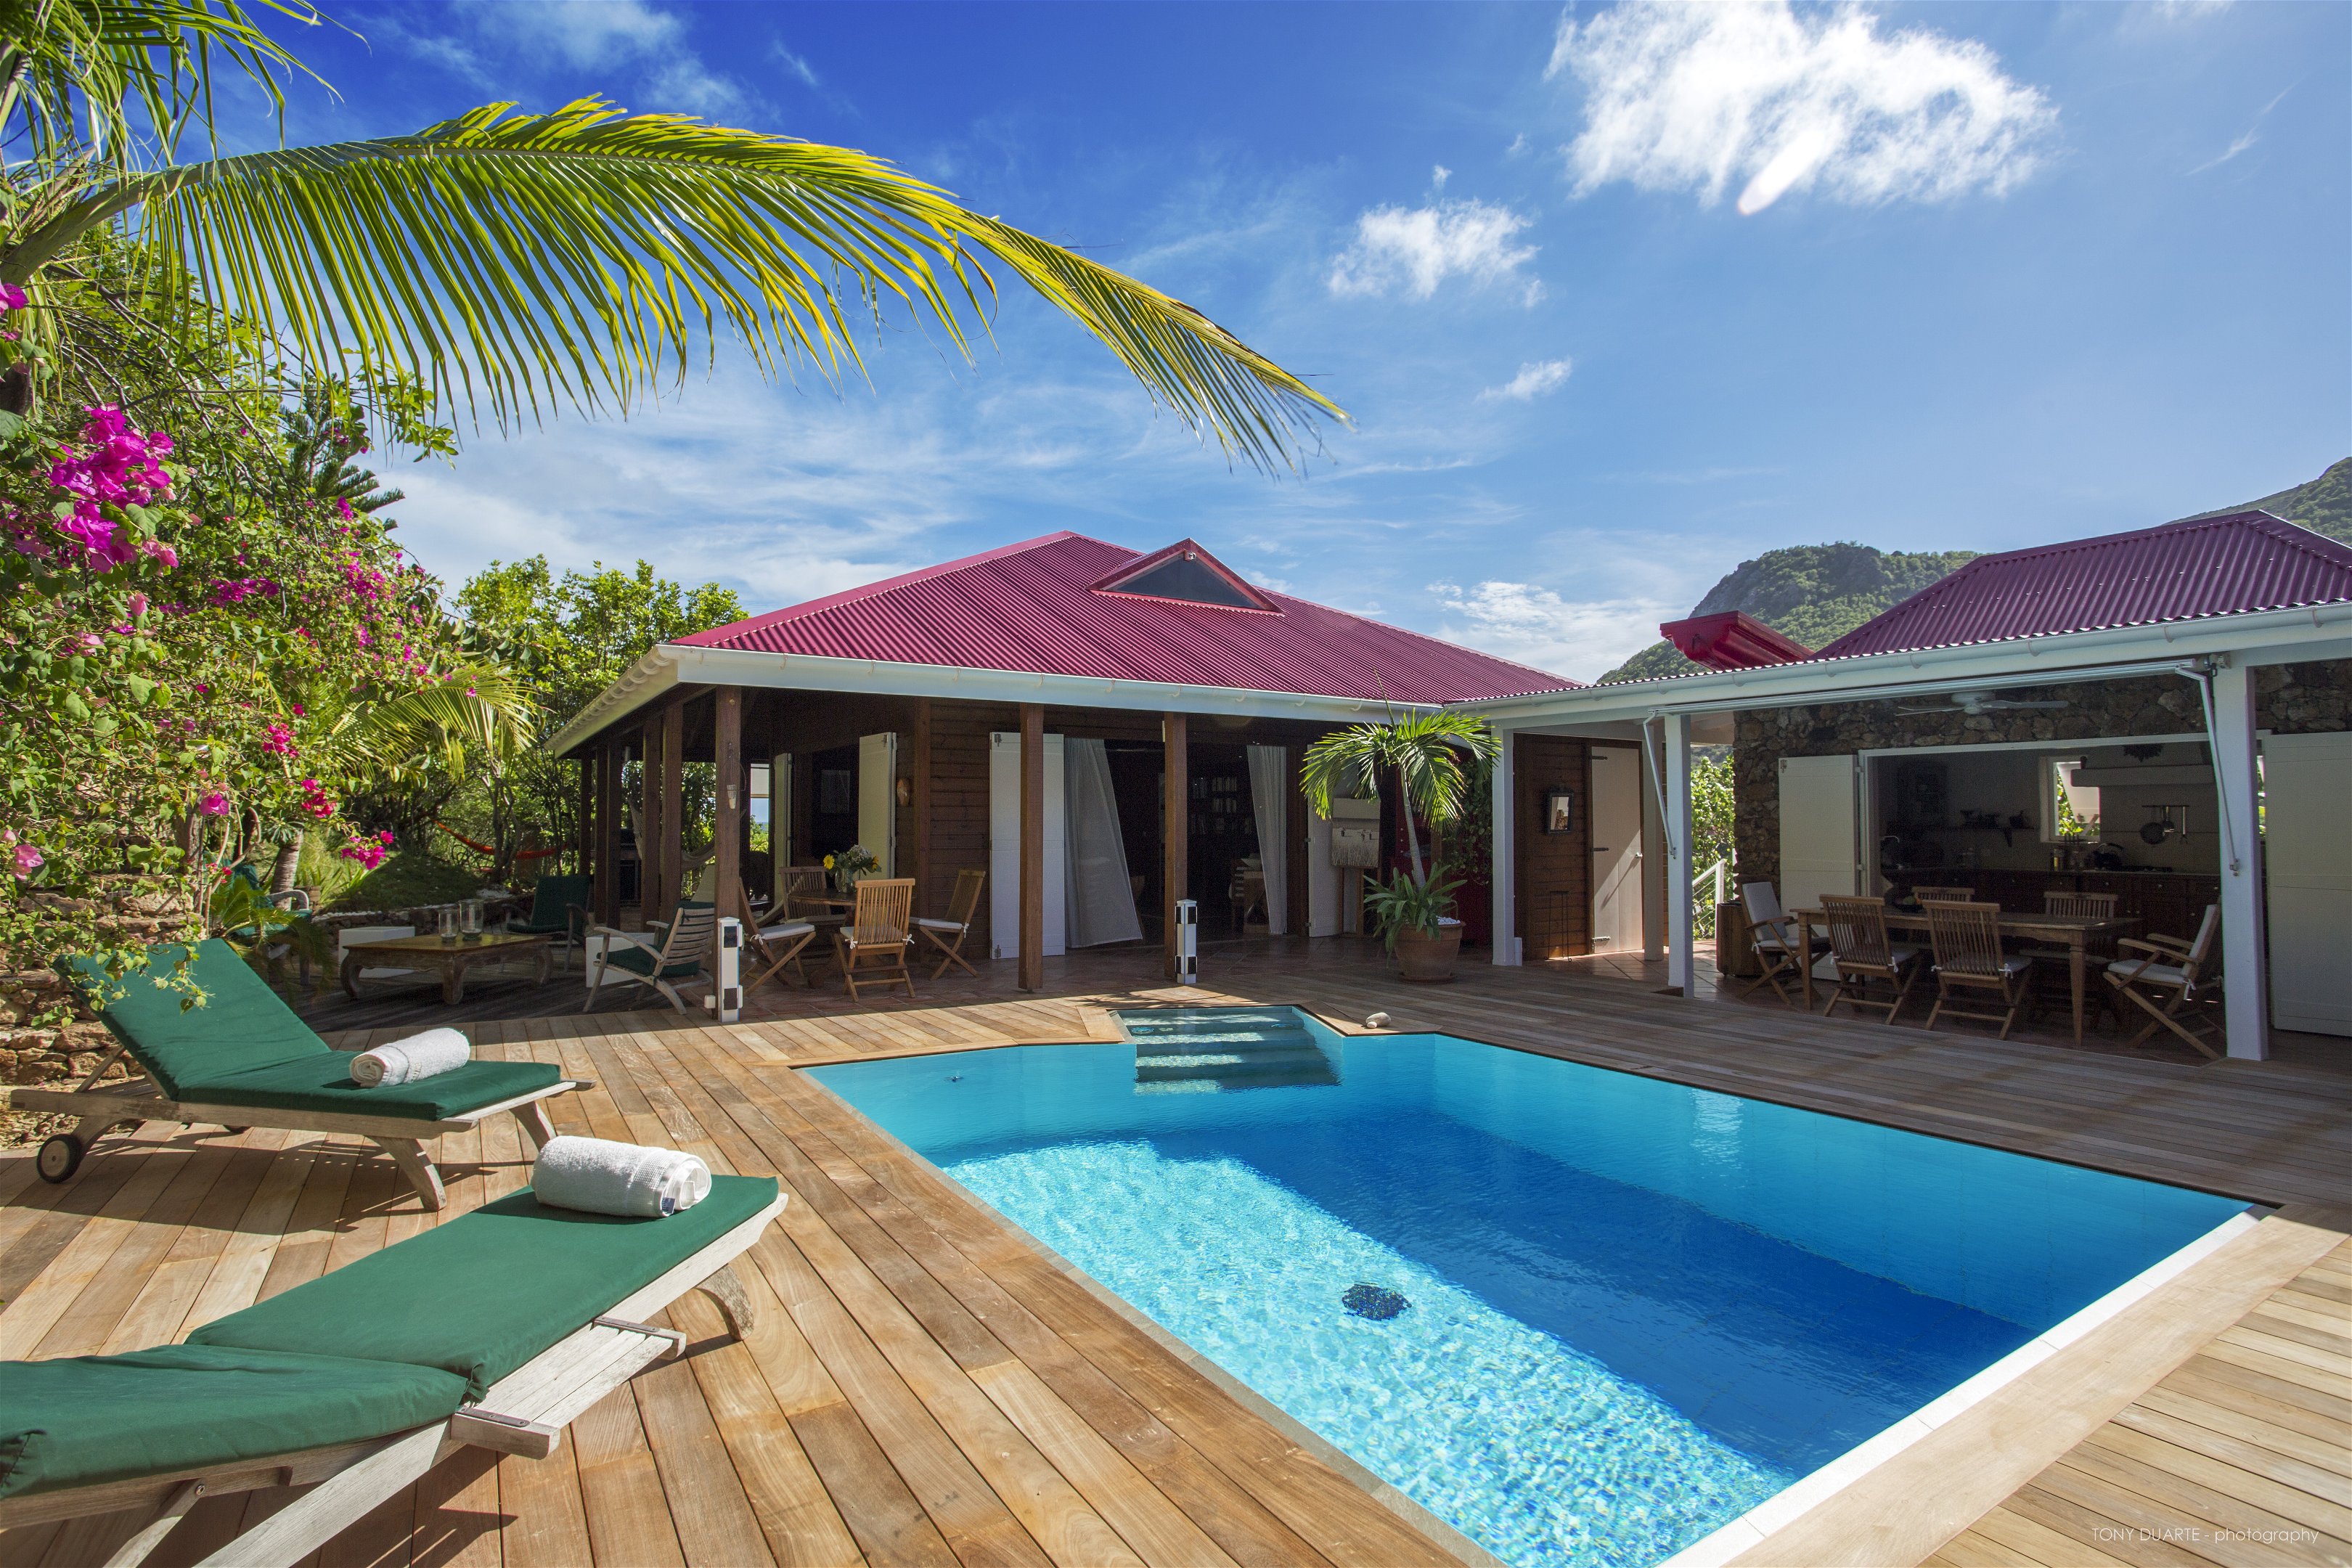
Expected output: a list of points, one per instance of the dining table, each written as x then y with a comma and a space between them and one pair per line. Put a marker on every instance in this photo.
2075, 934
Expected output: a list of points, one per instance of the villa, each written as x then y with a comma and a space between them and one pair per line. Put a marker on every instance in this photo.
1585, 1259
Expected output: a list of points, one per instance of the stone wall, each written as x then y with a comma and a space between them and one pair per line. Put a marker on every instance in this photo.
2290, 699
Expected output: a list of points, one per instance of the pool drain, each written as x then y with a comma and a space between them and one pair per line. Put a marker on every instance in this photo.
1373, 1301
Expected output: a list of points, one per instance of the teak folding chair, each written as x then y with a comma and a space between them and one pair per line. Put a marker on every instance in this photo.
2173, 971
638, 961
773, 945
875, 945
1967, 940
1781, 945
1945, 896
946, 936
1860, 949
2100, 951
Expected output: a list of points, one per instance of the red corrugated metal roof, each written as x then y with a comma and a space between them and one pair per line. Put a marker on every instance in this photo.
2234, 564
1733, 639
1033, 607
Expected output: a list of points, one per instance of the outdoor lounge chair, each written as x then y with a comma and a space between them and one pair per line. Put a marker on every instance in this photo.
2172, 973
629, 958
946, 936
359, 1382
244, 1059
558, 906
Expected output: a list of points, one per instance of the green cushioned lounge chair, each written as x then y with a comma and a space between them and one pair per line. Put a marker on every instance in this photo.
558, 906
358, 1383
244, 1059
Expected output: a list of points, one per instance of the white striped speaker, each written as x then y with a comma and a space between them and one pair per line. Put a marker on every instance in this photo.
1188, 941
726, 993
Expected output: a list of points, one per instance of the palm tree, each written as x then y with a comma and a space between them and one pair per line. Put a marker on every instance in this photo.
1424, 752
512, 261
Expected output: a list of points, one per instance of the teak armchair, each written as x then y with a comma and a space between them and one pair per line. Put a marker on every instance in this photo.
1781, 945
1860, 949
2173, 973
946, 936
1967, 940
875, 945
692, 929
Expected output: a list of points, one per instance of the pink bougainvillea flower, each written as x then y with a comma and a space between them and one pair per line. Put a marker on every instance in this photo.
277, 740
11, 296
138, 605
156, 549
214, 805
88, 642
24, 860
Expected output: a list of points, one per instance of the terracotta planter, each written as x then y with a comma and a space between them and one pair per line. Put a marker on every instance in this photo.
1427, 958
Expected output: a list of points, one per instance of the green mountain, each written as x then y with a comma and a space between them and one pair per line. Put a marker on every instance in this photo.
2323, 506
1813, 593
1818, 593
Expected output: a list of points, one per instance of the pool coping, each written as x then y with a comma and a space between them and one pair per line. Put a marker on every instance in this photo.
1759, 1524
1441, 1534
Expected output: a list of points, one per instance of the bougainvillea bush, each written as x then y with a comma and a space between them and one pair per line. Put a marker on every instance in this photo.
193, 639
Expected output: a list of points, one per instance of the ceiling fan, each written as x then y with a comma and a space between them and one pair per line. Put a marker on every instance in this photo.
1974, 702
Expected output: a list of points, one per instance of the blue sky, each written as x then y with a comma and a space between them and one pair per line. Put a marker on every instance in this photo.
1617, 296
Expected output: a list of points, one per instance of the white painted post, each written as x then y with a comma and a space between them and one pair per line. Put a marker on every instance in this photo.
1506, 860
726, 988
2245, 970
1682, 962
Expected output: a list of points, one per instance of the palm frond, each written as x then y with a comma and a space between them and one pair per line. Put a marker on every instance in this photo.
587, 255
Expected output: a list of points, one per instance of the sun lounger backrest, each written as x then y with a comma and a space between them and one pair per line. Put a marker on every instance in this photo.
241, 1025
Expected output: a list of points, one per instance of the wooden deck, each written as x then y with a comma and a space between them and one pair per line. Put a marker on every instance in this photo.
933, 1389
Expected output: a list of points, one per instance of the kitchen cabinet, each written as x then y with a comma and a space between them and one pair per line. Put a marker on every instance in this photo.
2170, 904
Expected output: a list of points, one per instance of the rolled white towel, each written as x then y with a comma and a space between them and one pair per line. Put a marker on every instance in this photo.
600, 1176
428, 1055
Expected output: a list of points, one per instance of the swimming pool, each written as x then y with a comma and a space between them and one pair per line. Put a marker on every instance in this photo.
1582, 1316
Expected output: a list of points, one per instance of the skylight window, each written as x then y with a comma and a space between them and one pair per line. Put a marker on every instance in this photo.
1188, 574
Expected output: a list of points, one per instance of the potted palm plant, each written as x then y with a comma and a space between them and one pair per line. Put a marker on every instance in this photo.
1425, 754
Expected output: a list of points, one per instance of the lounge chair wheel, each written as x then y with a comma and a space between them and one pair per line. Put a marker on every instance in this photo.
60, 1157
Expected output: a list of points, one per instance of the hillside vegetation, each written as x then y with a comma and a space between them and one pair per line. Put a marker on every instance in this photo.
2324, 505
1812, 593
1818, 593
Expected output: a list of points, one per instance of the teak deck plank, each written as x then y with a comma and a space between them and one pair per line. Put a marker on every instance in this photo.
923, 1386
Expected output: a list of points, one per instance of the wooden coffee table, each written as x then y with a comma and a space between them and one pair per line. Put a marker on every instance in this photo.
452, 958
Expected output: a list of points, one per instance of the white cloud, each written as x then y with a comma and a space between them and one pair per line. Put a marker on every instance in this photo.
1535, 626
594, 34
1697, 96
1413, 249
1520, 146
798, 66
2252, 135
1533, 381
1438, 176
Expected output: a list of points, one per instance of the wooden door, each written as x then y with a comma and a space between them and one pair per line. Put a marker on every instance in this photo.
1616, 847
1819, 824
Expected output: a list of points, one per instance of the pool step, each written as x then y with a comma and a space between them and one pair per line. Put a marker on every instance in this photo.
1204, 1049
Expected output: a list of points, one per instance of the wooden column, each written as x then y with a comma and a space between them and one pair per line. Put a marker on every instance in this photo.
649, 822
607, 892
1175, 830
920, 770
727, 815
1033, 846
584, 856
672, 849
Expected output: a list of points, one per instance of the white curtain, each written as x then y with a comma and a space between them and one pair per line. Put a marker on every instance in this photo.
1099, 900
1269, 768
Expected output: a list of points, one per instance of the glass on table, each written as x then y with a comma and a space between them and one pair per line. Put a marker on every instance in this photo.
447, 915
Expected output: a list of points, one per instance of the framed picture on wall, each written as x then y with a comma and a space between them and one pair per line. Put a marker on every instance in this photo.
1559, 810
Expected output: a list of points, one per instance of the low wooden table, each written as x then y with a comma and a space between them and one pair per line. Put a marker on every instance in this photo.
452, 958
2072, 932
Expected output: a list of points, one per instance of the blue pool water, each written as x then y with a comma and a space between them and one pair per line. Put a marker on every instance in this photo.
1632, 1310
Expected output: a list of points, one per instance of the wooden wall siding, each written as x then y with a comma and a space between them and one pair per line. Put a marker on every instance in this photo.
1555, 869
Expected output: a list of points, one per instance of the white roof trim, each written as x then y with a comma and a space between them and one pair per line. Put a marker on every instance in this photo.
671, 665
2268, 636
